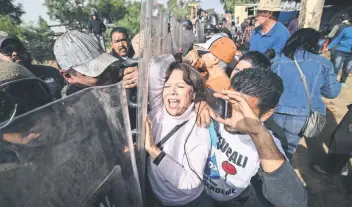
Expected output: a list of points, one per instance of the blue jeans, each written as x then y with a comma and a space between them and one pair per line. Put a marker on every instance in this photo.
292, 126
342, 59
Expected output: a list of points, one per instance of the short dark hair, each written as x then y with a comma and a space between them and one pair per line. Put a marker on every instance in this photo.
266, 85
190, 75
257, 60
119, 30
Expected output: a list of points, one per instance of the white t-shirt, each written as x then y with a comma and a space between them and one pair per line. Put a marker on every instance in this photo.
232, 163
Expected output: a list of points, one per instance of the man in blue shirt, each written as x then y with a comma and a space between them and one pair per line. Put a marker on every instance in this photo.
342, 55
270, 33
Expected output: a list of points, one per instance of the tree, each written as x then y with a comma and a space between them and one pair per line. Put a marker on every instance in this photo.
229, 5
131, 20
73, 14
14, 12
39, 41
9, 26
178, 9
110, 10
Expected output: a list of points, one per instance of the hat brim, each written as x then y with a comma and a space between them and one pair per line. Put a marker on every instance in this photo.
268, 9
97, 66
7, 39
200, 47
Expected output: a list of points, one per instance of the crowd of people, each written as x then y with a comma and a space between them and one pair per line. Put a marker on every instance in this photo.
222, 126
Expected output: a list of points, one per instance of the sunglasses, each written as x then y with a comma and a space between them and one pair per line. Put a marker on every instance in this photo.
8, 50
202, 52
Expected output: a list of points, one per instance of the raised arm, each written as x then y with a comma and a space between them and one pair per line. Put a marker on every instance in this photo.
158, 67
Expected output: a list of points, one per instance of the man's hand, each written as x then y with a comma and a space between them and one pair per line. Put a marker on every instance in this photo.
130, 77
17, 138
246, 121
243, 118
203, 115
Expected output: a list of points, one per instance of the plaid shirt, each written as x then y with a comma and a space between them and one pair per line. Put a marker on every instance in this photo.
247, 33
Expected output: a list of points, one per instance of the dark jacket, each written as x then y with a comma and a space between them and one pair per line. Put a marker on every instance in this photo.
96, 26
51, 76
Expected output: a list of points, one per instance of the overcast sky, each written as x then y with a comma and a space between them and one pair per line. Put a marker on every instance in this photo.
35, 8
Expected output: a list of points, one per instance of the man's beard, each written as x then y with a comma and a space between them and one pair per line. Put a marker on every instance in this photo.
17, 60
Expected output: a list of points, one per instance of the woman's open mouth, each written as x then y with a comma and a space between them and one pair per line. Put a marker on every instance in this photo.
173, 103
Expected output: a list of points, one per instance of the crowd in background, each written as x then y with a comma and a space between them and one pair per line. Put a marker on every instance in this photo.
223, 122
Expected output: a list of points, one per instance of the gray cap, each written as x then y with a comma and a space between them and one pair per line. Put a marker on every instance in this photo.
82, 53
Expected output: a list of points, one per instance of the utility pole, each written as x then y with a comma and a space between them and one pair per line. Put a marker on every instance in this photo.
310, 14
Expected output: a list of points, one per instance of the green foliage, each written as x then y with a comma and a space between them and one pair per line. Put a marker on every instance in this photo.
8, 25
39, 41
229, 5
75, 14
111, 10
71, 13
9, 9
178, 9
131, 20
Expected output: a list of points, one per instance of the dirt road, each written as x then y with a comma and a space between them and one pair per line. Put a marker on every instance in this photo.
325, 191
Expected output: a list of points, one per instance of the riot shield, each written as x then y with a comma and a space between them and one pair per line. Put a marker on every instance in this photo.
199, 30
82, 154
158, 36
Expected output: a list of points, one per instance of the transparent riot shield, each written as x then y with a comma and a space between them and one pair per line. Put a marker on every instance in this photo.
77, 151
158, 36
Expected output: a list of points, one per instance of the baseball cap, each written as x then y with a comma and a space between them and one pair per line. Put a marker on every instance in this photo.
5, 38
82, 53
220, 46
20, 90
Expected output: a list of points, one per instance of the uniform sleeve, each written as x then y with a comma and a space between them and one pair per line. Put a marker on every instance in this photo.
157, 72
284, 182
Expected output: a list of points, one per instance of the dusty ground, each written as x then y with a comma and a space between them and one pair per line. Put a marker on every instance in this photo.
325, 191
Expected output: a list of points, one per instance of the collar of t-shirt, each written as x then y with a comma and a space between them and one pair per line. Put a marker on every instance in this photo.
271, 32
